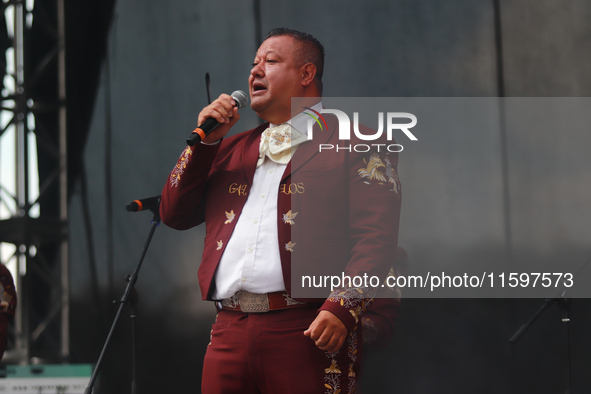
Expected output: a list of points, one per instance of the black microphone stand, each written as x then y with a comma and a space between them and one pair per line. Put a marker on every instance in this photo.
131, 280
133, 301
564, 304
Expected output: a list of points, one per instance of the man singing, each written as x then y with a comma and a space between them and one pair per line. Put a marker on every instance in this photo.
340, 216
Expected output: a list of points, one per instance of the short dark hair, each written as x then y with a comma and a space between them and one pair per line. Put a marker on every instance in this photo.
310, 49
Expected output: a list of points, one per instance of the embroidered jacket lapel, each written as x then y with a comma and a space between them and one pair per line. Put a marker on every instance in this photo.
308, 149
250, 152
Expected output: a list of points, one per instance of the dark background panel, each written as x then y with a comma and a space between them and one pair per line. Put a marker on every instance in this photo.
455, 206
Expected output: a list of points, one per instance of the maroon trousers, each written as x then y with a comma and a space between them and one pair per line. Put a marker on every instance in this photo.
267, 353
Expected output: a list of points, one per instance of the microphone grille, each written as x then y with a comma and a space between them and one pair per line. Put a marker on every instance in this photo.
240, 98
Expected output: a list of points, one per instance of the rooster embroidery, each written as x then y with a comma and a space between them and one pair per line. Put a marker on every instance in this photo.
371, 172
392, 176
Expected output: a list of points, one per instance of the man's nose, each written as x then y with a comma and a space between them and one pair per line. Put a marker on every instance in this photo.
257, 70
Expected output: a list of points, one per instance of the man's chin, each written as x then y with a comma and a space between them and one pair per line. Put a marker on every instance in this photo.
257, 105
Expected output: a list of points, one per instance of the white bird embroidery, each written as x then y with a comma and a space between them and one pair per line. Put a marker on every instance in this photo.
289, 246
288, 217
230, 216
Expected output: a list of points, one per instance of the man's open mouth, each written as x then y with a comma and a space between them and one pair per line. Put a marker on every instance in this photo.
256, 87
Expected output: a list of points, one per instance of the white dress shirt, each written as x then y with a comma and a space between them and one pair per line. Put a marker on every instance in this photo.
251, 259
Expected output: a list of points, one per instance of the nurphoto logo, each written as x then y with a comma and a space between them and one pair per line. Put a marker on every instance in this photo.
392, 124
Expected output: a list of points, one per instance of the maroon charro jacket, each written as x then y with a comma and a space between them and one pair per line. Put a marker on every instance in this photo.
7, 305
380, 318
347, 205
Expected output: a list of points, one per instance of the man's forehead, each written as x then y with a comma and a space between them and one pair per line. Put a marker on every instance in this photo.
279, 45
266, 51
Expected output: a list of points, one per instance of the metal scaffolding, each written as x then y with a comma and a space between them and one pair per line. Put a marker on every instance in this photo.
37, 231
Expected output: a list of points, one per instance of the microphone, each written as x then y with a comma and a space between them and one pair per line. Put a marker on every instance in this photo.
144, 204
210, 124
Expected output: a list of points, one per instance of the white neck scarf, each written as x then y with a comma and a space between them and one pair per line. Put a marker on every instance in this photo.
278, 143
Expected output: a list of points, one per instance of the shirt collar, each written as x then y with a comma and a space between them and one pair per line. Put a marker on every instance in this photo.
300, 121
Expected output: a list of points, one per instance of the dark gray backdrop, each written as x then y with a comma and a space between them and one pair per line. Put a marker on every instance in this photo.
458, 204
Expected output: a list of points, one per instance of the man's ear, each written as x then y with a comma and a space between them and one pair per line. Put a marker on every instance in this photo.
308, 74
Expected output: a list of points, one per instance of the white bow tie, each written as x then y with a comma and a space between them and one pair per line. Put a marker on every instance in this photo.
278, 143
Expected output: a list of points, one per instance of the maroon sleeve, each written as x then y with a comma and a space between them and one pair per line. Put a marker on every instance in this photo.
380, 318
182, 204
379, 321
374, 214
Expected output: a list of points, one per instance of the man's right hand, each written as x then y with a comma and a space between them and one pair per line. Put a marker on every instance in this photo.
225, 112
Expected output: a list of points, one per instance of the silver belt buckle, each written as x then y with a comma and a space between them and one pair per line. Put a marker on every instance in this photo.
253, 303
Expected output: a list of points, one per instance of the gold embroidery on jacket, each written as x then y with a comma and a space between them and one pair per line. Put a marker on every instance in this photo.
289, 216
180, 167
334, 368
289, 246
239, 189
292, 188
371, 171
230, 216
331, 378
376, 170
